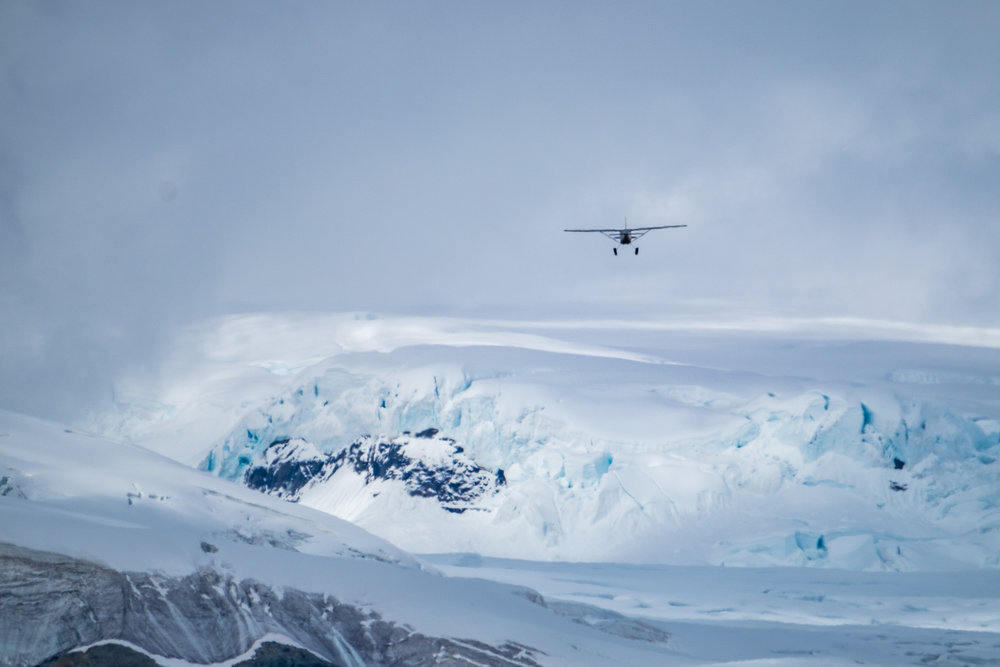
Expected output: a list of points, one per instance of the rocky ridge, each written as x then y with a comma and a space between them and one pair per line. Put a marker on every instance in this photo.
52, 604
428, 465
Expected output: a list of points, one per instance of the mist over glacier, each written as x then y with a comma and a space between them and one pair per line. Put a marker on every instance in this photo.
645, 444
163, 165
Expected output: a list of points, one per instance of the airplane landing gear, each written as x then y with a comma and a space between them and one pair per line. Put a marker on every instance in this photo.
615, 250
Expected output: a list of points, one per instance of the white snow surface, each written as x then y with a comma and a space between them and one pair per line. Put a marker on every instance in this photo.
779, 616
657, 451
868, 446
132, 510
123, 506
76, 494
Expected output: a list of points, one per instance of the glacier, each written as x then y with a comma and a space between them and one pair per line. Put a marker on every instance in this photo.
532, 492
672, 448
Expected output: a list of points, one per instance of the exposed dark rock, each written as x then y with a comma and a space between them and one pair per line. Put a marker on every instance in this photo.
51, 605
284, 470
897, 486
273, 654
9, 487
105, 655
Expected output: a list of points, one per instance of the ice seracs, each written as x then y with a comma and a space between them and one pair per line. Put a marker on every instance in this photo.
730, 453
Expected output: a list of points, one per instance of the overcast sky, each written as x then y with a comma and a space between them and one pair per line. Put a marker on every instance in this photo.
162, 162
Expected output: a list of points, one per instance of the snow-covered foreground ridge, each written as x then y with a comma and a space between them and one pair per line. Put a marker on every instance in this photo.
116, 550
108, 542
825, 444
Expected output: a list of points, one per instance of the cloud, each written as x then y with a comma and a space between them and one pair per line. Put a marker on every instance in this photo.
165, 163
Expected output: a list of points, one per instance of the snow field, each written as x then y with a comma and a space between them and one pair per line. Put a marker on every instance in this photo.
605, 462
853, 477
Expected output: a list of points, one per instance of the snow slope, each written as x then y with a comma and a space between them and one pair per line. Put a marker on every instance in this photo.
105, 541
667, 445
787, 616
736, 443
191, 569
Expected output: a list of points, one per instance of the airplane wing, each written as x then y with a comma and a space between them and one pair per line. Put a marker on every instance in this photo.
646, 229
639, 232
633, 232
613, 234
629, 229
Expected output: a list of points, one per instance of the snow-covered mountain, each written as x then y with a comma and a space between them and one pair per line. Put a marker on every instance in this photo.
669, 446
639, 444
423, 466
104, 542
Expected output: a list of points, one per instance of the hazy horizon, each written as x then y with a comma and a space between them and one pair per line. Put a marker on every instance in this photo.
162, 164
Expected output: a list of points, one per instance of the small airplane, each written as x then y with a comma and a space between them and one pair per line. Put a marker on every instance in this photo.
625, 236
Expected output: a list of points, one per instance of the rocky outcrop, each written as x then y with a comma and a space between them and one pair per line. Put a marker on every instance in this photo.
427, 465
51, 604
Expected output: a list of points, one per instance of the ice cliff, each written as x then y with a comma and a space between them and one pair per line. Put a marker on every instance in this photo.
639, 458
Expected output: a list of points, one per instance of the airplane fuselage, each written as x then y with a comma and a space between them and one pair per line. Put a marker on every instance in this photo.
625, 238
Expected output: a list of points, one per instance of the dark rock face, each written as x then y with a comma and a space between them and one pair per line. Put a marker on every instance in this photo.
269, 654
455, 481
9, 487
272, 654
105, 655
286, 472
51, 604
458, 480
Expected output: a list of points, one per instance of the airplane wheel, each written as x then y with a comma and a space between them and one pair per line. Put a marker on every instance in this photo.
637, 251
615, 250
